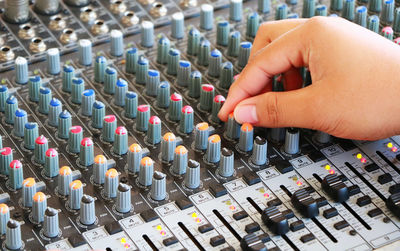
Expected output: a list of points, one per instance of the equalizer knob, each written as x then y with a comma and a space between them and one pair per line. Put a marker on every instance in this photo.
4, 96
99, 169
215, 61
192, 176
163, 46
51, 164
387, 14
74, 139
16, 174
154, 132
41, 146
64, 179
178, 26
123, 202
180, 160
13, 235
158, 186
31, 132
187, 117
235, 10
207, 92
143, 116
275, 220
152, 82
259, 156
6, 157
120, 145
202, 131
20, 119
246, 137
4, 218
50, 224
85, 52
21, 70
206, 16
226, 165
335, 188
87, 211
88, 99
168, 145
213, 153
175, 107
55, 108
146, 171
306, 204
232, 128
292, 141
253, 22
117, 43
111, 183
147, 34
64, 123
38, 207
75, 194
134, 157
109, 127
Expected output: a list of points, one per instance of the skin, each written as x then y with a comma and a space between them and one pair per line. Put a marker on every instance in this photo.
355, 89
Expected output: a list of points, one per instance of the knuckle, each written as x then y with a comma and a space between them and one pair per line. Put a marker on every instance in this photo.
272, 110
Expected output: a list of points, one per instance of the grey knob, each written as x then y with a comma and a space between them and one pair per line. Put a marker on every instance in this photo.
38, 207
322, 137
50, 224
123, 203
4, 218
246, 137
235, 10
85, 52
214, 148
75, 194
28, 190
226, 165
87, 211
134, 157
111, 183
201, 136
259, 156
88, 99
206, 16
117, 43
158, 187
146, 171
232, 127
64, 179
16, 174
180, 160
147, 34
13, 235
99, 169
178, 26
192, 177
292, 140
168, 144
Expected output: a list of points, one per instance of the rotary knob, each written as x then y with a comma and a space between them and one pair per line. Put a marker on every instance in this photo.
50, 224
158, 186
292, 141
87, 211
13, 235
192, 176
123, 202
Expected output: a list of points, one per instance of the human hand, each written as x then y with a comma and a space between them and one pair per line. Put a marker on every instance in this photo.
355, 89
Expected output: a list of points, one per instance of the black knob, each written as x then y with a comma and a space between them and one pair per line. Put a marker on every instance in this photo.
306, 204
251, 242
393, 203
335, 188
275, 220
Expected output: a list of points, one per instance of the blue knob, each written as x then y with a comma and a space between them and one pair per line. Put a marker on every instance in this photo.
88, 99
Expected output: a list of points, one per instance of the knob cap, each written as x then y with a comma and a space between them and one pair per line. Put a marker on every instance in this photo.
259, 156
235, 10
180, 160
34, 85
226, 165
206, 16
85, 52
38, 207
4, 218
308, 8
131, 56
264, 6
244, 53
123, 202
147, 34
88, 99
67, 76
99, 169
321, 10
206, 97
192, 176
281, 11
361, 16
322, 137
50, 225
16, 175
218, 101
53, 61
163, 47
51, 166
246, 137
13, 235
173, 58
3, 97
253, 22
204, 52
41, 146
131, 104
146, 171
158, 187
234, 43
252, 242
232, 127
163, 94
184, 70
143, 116
152, 82
28, 190
292, 141
154, 132
194, 84
142, 69
178, 26
134, 157
387, 14
10, 108
21, 70
6, 157
74, 139
213, 149
87, 212
393, 203
45, 97
64, 123
387, 32
215, 61
86, 154
222, 33
226, 75
55, 108
306, 204
31, 132
120, 145
111, 183
110, 80
20, 119
109, 127
100, 66
175, 107
77, 88
64, 180
75, 194
121, 87
335, 188
186, 122
275, 220
193, 42
201, 136
117, 43
168, 144
348, 10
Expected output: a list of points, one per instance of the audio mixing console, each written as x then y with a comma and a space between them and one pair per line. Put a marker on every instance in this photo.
110, 140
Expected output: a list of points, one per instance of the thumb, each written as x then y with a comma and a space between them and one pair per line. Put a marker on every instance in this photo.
279, 109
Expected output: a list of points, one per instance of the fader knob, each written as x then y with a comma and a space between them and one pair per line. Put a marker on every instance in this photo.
373, 23
86, 155
98, 114
87, 214
55, 108
85, 52
393, 203
38, 207
109, 127
154, 132
259, 156
41, 146
146, 171
131, 57
275, 220
226, 165
88, 99
4, 218
246, 137
20, 119
31, 132
111, 183
192, 176
206, 16
64, 179
120, 146
75, 138
28, 190
235, 10
186, 122
335, 188
21, 70
134, 157
34, 85
201, 136
75, 194
51, 165
13, 235
158, 186
178, 26
163, 47
152, 82
306, 204
222, 33
16, 174
123, 202
168, 144
147, 34
292, 141
50, 224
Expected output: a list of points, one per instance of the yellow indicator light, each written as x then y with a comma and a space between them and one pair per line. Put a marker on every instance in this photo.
228, 203
159, 227
35, 72
389, 145
194, 215
295, 178
3, 81
123, 61
327, 167
359, 156
123, 240
262, 190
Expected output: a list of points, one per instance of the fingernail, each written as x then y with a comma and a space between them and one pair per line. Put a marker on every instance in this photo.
246, 114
